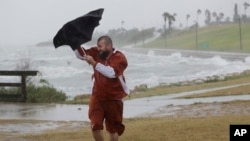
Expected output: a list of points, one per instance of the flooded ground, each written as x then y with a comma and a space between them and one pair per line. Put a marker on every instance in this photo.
52, 112
140, 106
35, 118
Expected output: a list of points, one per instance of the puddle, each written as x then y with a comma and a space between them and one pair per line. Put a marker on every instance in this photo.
52, 112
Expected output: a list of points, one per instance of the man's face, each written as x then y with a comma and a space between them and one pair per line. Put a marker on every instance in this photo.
103, 48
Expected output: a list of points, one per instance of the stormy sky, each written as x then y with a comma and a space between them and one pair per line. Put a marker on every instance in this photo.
31, 21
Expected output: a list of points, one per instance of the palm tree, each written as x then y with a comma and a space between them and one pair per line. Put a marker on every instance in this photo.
227, 20
221, 16
246, 5
216, 17
165, 16
187, 17
198, 13
208, 16
236, 16
196, 27
122, 23
171, 19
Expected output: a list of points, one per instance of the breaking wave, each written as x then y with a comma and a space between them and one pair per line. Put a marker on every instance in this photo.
66, 72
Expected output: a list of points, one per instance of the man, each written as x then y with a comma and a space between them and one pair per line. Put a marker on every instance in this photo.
109, 87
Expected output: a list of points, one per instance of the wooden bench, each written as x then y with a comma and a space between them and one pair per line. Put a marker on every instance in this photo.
16, 97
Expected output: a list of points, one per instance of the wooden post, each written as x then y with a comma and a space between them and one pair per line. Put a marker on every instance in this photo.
241, 47
23, 88
196, 35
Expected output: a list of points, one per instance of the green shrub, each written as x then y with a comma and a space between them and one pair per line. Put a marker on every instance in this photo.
9, 90
42, 93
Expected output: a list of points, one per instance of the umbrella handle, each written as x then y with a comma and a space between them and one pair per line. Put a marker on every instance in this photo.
81, 51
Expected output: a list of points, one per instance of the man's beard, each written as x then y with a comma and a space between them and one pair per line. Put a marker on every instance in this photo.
103, 55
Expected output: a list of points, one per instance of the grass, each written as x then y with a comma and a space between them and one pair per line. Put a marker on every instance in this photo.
240, 90
163, 90
158, 129
44, 94
218, 38
80, 99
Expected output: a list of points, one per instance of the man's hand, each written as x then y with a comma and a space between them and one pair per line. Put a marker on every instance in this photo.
90, 60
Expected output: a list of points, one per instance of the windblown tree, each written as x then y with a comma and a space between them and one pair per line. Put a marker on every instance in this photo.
165, 16
122, 23
187, 18
221, 16
208, 17
180, 25
216, 17
227, 20
196, 28
170, 18
244, 16
198, 14
246, 5
197, 22
236, 15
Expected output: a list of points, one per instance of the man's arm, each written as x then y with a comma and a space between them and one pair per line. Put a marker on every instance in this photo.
114, 70
105, 70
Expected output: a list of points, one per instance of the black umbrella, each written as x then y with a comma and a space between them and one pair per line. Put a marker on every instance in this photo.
78, 31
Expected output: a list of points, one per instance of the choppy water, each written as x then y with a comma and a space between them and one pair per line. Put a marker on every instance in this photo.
63, 70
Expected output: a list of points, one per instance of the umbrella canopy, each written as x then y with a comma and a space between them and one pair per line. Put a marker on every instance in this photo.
78, 31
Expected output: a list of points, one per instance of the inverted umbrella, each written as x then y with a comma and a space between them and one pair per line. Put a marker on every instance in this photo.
78, 31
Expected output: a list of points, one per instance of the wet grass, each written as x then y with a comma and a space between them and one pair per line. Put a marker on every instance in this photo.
80, 99
158, 129
217, 38
240, 90
163, 90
